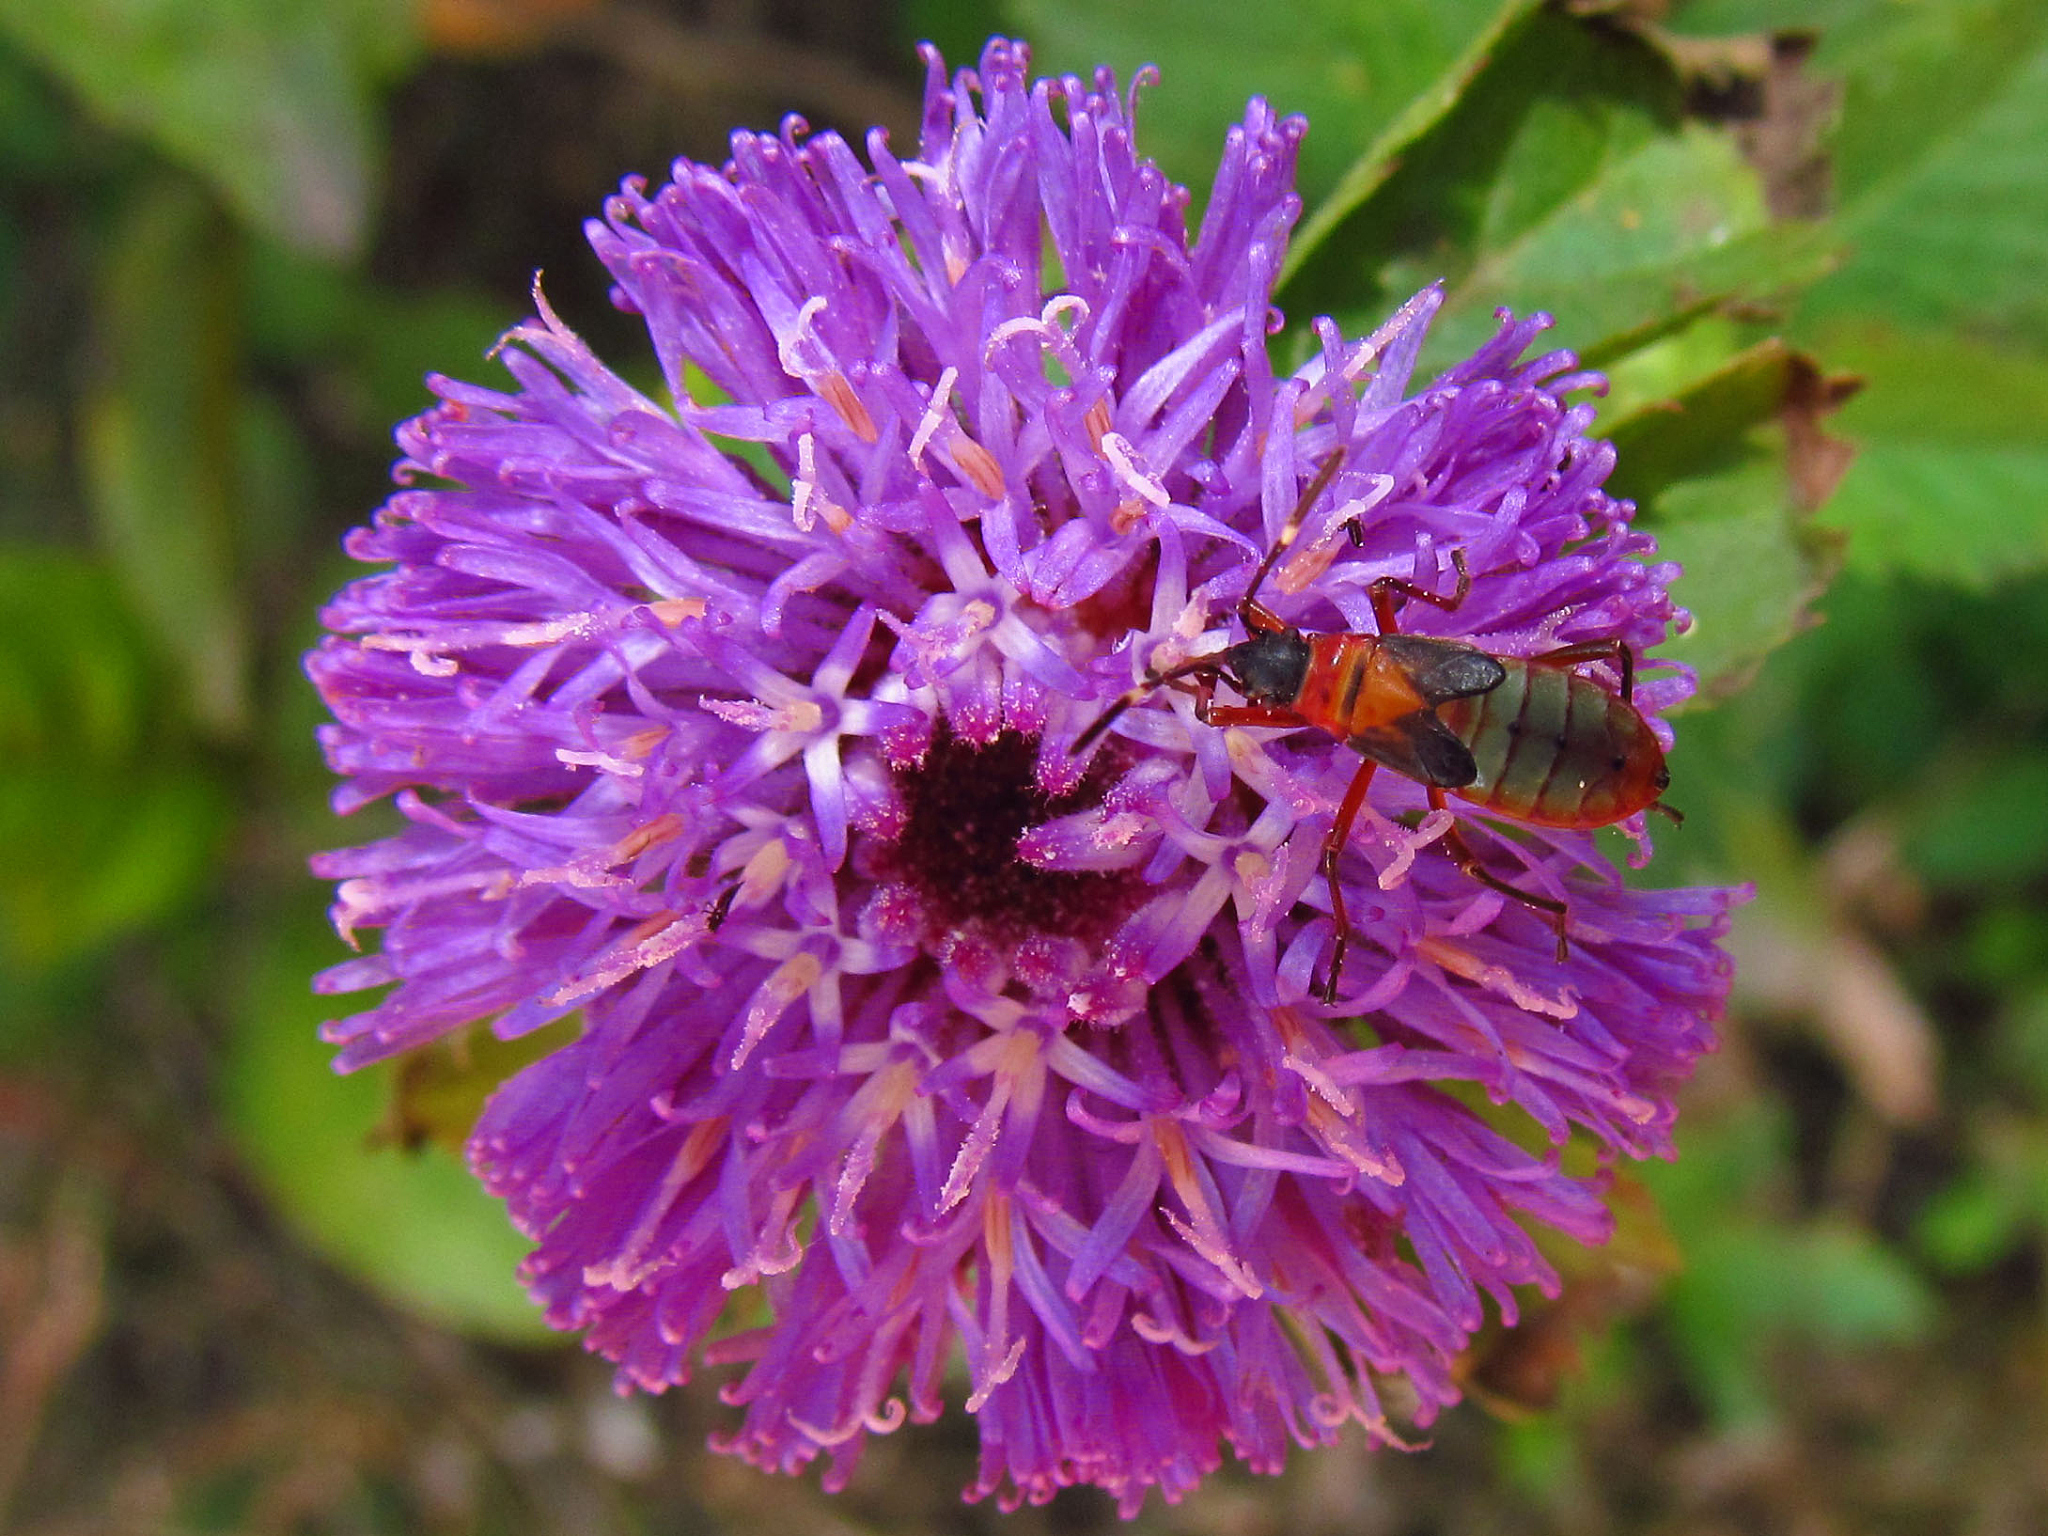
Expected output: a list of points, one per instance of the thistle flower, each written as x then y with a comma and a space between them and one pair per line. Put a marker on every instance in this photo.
741, 718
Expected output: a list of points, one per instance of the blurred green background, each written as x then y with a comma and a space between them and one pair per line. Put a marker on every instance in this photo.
1806, 240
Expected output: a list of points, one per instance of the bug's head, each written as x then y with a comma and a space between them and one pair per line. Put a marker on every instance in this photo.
1269, 668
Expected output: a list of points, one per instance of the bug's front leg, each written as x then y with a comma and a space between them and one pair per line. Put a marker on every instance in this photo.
1333, 849
1385, 590
1245, 714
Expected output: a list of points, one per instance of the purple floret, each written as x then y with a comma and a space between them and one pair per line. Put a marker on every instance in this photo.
741, 720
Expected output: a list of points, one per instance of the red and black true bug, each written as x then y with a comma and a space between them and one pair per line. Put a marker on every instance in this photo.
1523, 736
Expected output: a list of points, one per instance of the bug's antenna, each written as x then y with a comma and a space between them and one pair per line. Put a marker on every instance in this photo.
1325, 473
1131, 696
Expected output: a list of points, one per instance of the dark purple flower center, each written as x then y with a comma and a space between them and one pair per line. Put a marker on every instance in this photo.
965, 805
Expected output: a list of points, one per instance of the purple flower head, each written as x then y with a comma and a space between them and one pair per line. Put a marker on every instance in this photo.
740, 718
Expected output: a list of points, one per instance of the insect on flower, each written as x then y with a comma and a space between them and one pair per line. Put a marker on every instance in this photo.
1525, 737
916, 1059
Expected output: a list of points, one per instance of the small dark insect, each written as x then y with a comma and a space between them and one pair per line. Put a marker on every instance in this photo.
1526, 737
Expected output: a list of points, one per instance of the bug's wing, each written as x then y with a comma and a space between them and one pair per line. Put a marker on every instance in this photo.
1442, 670
1421, 747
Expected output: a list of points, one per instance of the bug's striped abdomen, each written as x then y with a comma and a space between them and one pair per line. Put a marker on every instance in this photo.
1557, 749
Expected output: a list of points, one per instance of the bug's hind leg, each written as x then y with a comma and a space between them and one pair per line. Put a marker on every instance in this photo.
1462, 855
1615, 651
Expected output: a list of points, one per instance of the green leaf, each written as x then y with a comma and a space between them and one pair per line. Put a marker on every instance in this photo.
1541, 1457
1972, 1224
413, 1225
2021, 1046
1940, 510
1942, 183
1944, 203
1522, 124
1951, 478
1701, 426
371, 346
1337, 213
1734, 18
2006, 949
1671, 232
1752, 1279
957, 28
108, 822
1553, 173
1725, 470
1753, 567
1725, 1162
1998, 1201
1984, 826
1351, 68
91, 855
159, 441
267, 99
1919, 83
1847, 1286
39, 138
